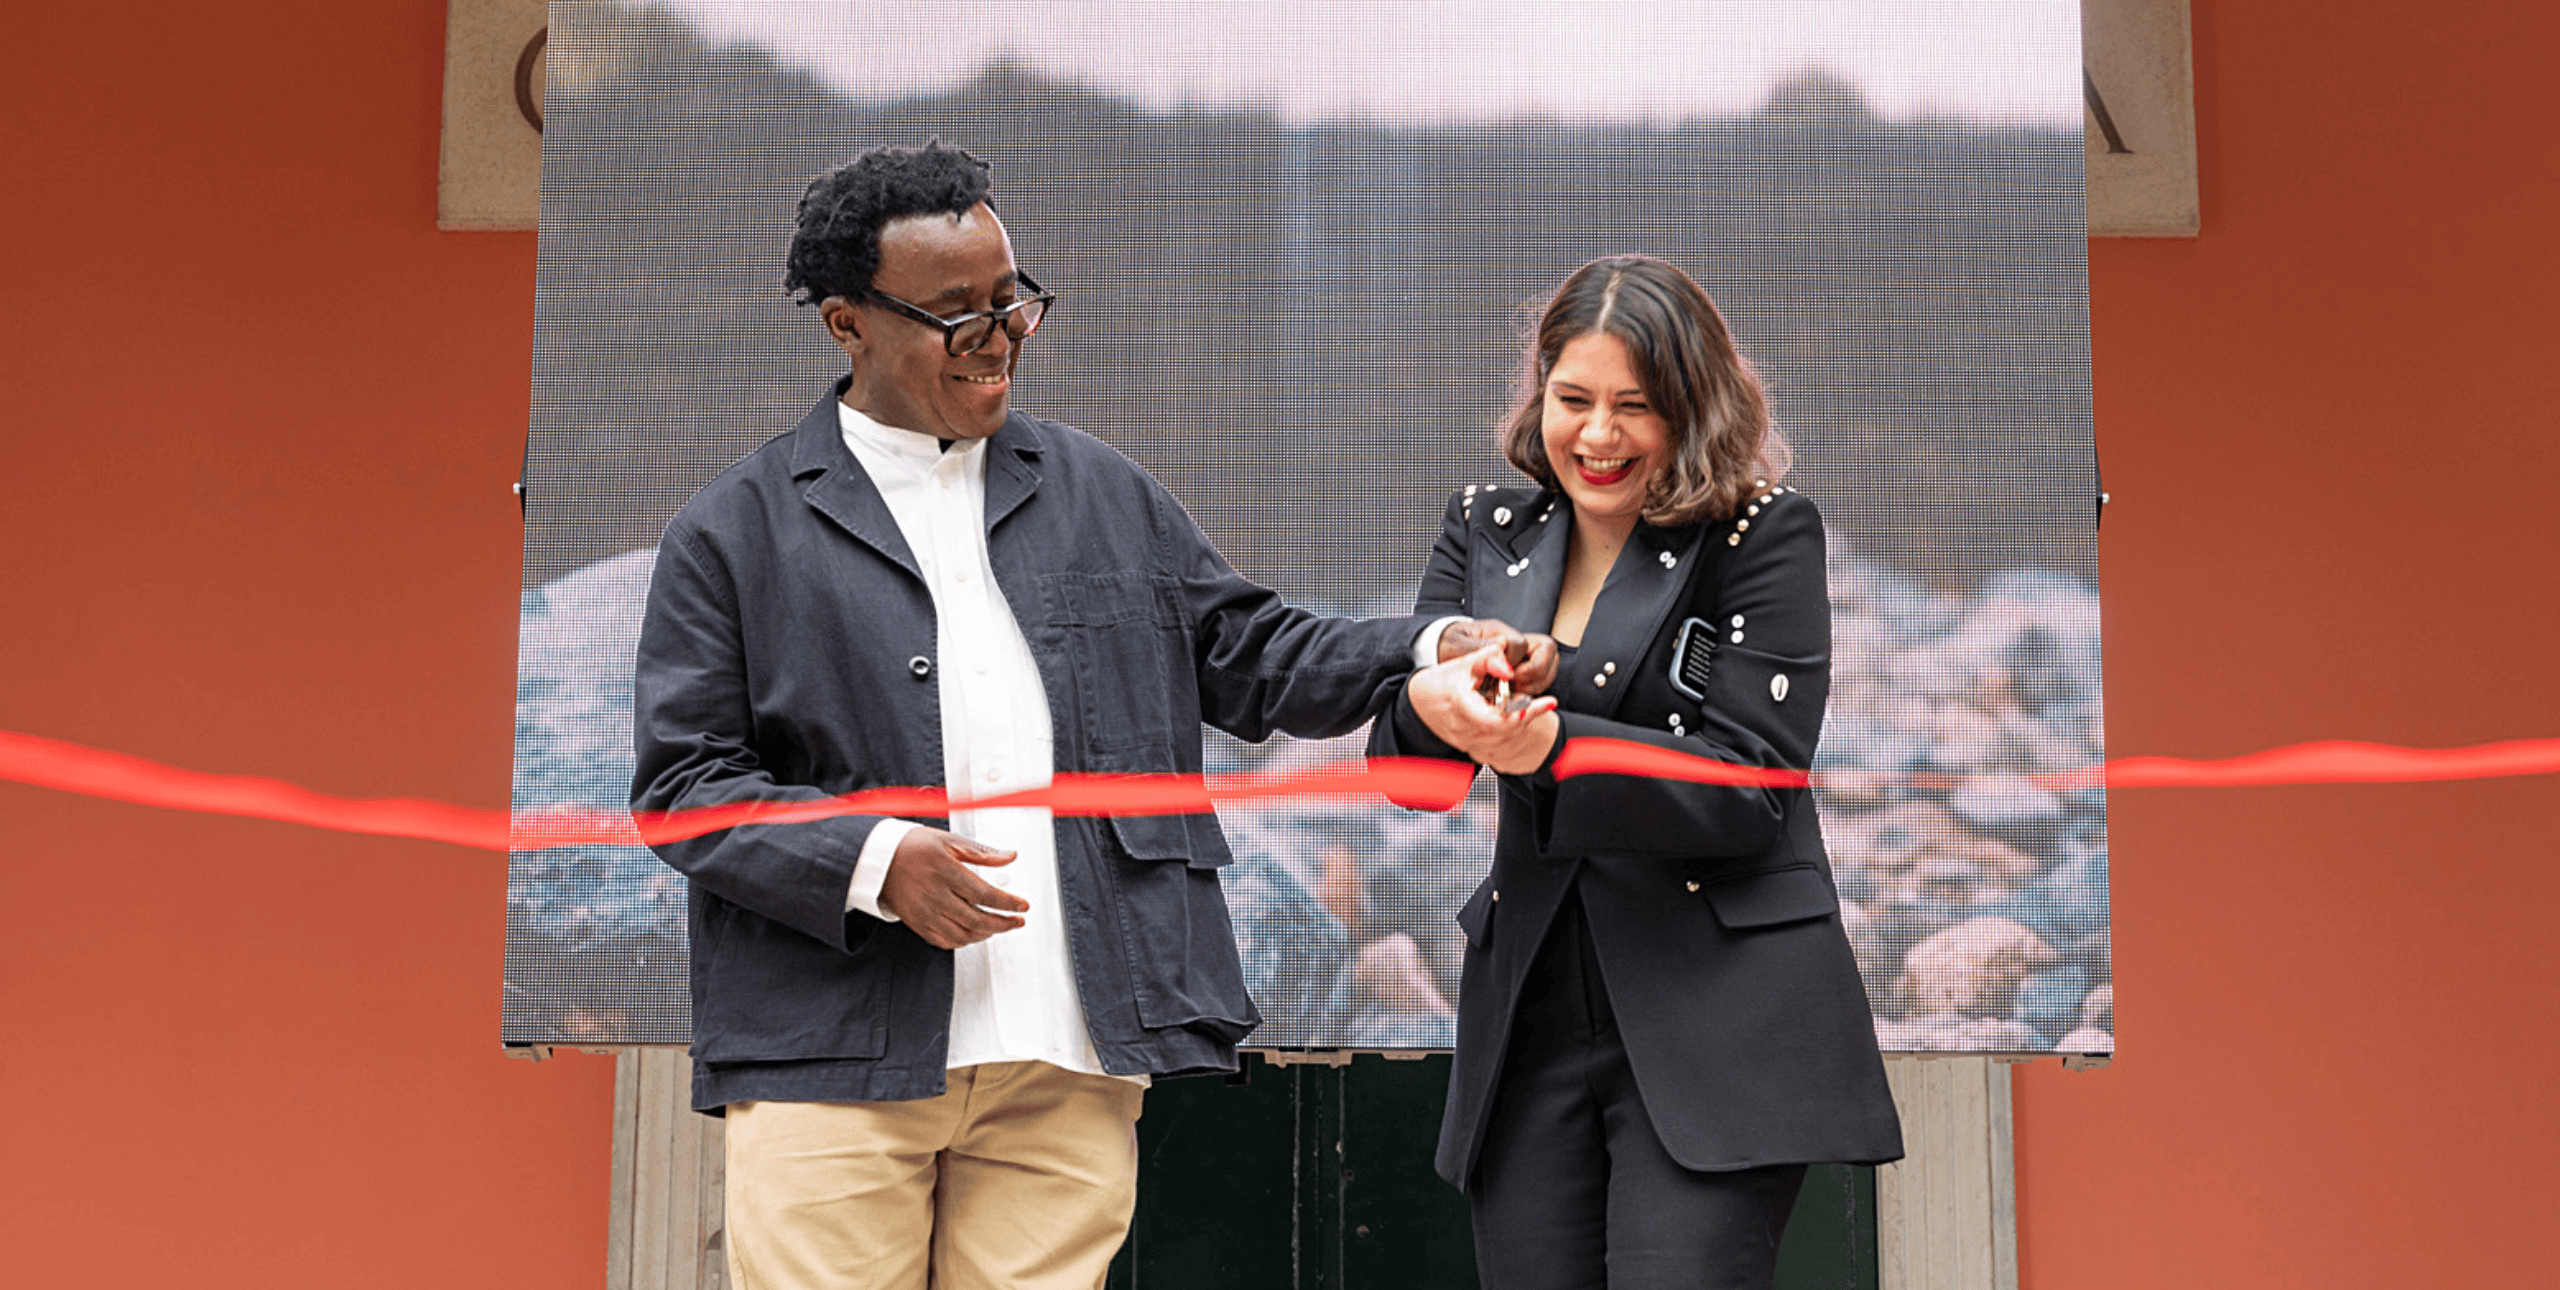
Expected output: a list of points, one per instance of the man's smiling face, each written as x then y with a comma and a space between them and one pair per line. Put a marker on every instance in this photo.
947, 265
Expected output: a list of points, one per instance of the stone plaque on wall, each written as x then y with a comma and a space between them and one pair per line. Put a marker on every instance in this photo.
490, 170
2141, 131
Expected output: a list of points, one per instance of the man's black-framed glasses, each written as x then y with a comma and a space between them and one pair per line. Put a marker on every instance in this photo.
968, 333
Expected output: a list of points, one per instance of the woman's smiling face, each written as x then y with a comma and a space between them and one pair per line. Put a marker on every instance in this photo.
1605, 442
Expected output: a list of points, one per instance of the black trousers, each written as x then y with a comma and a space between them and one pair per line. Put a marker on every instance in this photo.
1573, 1189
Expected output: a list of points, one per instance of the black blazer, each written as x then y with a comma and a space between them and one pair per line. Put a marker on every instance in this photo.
786, 653
1712, 908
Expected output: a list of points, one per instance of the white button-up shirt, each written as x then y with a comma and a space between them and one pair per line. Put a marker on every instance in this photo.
1014, 994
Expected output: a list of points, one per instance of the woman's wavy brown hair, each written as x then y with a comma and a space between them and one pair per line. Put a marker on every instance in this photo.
1722, 435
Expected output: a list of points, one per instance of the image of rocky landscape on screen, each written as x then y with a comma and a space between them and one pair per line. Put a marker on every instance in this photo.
1975, 897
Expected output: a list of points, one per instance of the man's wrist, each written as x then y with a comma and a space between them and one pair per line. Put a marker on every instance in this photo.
1426, 647
871, 868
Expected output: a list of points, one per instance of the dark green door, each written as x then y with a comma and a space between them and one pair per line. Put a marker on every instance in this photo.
1319, 1178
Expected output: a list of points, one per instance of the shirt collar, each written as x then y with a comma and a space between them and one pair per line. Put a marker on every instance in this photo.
909, 445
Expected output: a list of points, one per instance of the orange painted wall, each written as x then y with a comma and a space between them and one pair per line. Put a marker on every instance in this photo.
260, 420
257, 426
2330, 427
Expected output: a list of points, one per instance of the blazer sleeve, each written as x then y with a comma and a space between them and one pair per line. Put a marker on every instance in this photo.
1400, 732
1764, 700
693, 730
1264, 665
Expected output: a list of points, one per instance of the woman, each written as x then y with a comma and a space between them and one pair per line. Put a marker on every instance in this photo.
1660, 1022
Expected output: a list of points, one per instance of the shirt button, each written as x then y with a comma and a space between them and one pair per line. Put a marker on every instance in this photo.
960, 576
994, 774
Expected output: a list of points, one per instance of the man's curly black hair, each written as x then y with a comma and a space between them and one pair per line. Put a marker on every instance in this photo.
836, 248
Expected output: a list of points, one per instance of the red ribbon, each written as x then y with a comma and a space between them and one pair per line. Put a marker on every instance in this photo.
1422, 782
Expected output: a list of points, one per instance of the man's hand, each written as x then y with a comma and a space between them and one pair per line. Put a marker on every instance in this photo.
1452, 699
1531, 655
931, 889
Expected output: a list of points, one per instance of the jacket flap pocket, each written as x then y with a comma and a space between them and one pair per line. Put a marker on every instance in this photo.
1209, 848
1153, 837
1475, 918
1768, 897
1194, 839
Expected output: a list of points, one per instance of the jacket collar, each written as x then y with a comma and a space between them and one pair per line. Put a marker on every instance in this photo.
1013, 474
838, 488
1518, 573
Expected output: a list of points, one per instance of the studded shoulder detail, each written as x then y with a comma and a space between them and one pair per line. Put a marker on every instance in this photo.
1764, 495
1503, 504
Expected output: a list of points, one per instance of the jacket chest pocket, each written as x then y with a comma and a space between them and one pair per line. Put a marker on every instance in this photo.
1130, 654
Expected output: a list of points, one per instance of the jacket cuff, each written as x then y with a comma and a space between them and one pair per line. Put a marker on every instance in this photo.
1545, 775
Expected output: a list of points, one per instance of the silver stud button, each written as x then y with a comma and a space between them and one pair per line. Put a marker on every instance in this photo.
1737, 638
1693, 884
1502, 515
1599, 678
1778, 688
1737, 620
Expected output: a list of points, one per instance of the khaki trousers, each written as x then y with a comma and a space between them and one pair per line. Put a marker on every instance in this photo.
1020, 1176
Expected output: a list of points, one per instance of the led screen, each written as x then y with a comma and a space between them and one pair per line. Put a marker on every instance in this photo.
1296, 247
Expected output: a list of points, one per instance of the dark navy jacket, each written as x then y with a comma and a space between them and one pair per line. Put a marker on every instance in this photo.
1712, 909
787, 655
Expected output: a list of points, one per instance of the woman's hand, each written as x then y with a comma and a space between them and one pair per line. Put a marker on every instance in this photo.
1454, 699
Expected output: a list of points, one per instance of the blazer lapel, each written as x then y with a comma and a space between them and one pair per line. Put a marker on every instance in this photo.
840, 490
1518, 581
1644, 583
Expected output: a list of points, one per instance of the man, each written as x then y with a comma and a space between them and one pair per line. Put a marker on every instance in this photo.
931, 1044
